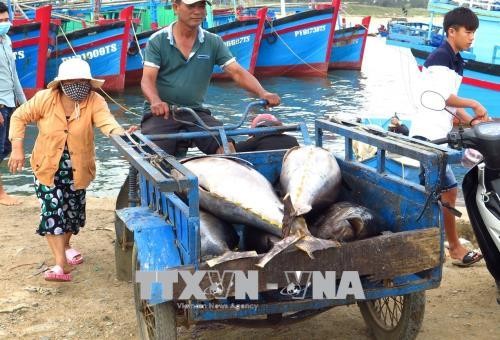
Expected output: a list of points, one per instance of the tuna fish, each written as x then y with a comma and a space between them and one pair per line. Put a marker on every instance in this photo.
311, 176
234, 191
344, 222
237, 193
218, 238
259, 240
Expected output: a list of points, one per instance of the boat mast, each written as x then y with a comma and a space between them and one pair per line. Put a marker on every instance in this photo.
153, 15
282, 6
96, 9
9, 7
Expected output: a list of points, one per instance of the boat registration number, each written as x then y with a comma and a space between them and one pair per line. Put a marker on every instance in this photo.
237, 41
96, 53
310, 30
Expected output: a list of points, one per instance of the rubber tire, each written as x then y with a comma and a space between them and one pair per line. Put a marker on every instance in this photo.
409, 323
164, 314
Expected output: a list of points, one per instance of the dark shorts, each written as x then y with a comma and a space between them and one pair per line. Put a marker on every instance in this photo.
62, 208
158, 125
448, 182
5, 146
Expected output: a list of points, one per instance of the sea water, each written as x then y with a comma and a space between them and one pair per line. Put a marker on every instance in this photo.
383, 87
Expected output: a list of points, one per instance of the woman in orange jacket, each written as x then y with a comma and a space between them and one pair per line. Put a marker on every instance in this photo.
63, 158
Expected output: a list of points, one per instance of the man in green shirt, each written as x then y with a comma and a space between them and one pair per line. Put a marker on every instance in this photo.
178, 64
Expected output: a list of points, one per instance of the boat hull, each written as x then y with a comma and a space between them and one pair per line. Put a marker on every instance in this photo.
298, 45
104, 47
243, 39
348, 47
31, 42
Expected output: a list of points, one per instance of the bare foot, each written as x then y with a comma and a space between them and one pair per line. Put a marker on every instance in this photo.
8, 200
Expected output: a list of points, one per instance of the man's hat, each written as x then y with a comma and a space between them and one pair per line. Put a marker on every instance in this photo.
75, 68
190, 2
265, 119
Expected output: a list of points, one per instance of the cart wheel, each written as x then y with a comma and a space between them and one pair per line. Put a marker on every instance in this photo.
395, 317
156, 322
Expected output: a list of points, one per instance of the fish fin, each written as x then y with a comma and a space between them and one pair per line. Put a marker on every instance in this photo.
288, 216
278, 248
303, 210
231, 255
310, 244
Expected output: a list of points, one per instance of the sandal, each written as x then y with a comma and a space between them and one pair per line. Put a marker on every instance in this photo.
56, 274
73, 257
469, 259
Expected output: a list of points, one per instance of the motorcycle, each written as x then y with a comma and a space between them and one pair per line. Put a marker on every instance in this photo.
481, 184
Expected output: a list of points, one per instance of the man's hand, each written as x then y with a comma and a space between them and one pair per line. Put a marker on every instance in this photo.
16, 160
160, 108
272, 98
480, 112
1, 120
132, 128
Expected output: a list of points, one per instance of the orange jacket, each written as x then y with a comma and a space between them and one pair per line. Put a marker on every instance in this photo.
54, 131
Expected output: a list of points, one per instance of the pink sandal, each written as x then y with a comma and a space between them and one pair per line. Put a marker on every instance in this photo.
56, 274
73, 257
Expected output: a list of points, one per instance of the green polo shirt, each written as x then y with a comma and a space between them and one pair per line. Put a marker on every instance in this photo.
182, 81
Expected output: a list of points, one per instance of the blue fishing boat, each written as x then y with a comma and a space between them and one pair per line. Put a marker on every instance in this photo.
481, 79
348, 46
135, 57
243, 39
32, 40
298, 44
103, 46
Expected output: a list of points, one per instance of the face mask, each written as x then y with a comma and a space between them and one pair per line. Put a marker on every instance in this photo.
4, 27
76, 91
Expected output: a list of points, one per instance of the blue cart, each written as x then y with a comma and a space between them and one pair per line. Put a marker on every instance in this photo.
157, 229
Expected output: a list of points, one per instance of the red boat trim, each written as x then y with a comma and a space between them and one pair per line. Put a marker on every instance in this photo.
259, 32
366, 23
345, 65
236, 34
477, 82
481, 83
331, 36
114, 83
299, 27
317, 70
133, 77
126, 15
27, 42
42, 15
30, 92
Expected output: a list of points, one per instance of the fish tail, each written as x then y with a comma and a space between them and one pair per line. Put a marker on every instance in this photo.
231, 255
288, 216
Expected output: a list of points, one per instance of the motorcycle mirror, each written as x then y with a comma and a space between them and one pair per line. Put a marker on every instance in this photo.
432, 100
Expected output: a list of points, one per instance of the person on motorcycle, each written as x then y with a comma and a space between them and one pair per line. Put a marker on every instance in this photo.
442, 73
178, 65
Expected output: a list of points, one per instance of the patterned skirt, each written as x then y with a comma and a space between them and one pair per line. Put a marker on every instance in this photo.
62, 207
